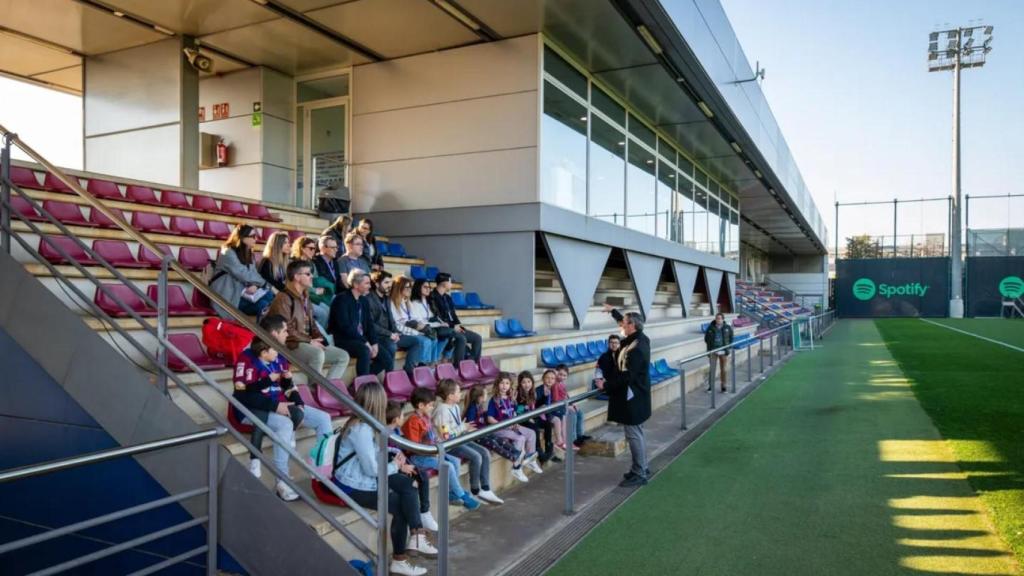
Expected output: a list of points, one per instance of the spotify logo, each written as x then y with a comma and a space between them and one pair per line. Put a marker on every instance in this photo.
1011, 287
864, 289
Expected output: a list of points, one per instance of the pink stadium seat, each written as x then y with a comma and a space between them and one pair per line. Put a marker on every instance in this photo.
177, 304
104, 189
116, 253
309, 400
48, 250
260, 212
216, 229
200, 301
329, 402
23, 207
193, 257
398, 386
365, 378
53, 184
470, 373
185, 226
66, 212
173, 199
24, 178
126, 295
423, 377
234, 418
97, 218
446, 370
205, 204
190, 345
149, 222
267, 232
488, 367
152, 260
294, 235
232, 208
141, 194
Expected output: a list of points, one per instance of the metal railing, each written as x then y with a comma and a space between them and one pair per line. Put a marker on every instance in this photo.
209, 490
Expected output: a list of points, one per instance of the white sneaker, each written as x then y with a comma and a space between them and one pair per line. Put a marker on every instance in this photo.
256, 468
530, 458
428, 521
286, 493
517, 473
488, 496
406, 569
532, 465
419, 543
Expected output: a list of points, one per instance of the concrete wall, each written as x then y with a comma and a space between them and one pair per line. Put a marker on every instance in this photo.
445, 129
140, 114
262, 163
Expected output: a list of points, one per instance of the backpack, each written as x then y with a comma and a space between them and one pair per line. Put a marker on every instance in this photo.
324, 455
225, 339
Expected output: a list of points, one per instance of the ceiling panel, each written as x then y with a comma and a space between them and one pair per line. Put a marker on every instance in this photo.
508, 18
595, 33
395, 28
77, 26
195, 17
285, 46
24, 58
68, 78
701, 139
307, 5
727, 168
650, 89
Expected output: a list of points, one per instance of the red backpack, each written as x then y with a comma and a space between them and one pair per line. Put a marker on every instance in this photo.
225, 339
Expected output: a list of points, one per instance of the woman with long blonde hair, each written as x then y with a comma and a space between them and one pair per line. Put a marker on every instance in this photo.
275, 259
401, 311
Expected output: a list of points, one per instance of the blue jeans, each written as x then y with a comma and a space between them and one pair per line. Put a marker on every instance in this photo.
430, 462
413, 346
282, 427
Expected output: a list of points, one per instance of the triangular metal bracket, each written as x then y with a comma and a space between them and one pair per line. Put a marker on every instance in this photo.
645, 271
731, 278
686, 278
579, 266
713, 284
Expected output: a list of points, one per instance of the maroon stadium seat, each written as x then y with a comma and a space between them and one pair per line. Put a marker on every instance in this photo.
205, 204
423, 377
294, 235
66, 212
202, 302
267, 232
177, 304
126, 295
488, 368
398, 386
173, 199
232, 208
152, 260
216, 229
260, 212
309, 400
149, 222
141, 194
193, 257
329, 402
116, 253
104, 189
49, 251
23, 207
446, 370
53, 184
24, 178
365, 378
470, 373
234, 418
325, 495
185, 226
97, 218
190, 345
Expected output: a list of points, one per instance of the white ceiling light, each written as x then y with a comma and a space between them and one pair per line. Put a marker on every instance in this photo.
736, 147
457, 14
649, 39
704, 108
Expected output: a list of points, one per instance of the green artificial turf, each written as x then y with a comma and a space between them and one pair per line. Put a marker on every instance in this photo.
974, 392
831, 467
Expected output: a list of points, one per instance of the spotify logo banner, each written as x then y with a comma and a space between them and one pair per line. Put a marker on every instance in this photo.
992, 280
892, 287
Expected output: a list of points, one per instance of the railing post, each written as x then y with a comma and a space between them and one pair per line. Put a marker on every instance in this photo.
570, 460
760, 353
771, 347
732, 368
212, 470
750, 365
382, 505
712, 372
5, 194
442, 512
161, 326
682, 396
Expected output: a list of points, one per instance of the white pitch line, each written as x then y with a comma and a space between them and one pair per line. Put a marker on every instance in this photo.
1010, 346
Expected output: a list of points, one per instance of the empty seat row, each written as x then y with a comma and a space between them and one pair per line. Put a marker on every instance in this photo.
26, 178
107, 295
511, 328
660, 370
118, 254
572, 354
469, 301
392, 249
425, 273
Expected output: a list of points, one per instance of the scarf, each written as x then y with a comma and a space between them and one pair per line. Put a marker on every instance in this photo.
627, 346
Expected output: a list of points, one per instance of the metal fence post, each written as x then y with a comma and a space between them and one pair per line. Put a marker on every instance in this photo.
750, 365
732, 368
382, 505
771, 348
442, 512
712, 371
570, 461
682, 396
5, 194
161, 326
760, 353
211, 508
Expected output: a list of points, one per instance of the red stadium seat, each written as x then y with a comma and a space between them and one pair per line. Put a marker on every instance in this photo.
309, 400
216, 229
294, 235
116, 253
260, 212
267, 232
97, 218
185, 226
173, 199
24, 207
398, 386
107, 303
205, 204
325, 495
66, 213
470, 373
200, 301
53, 184
190, 345
141, 195
423, 377
232, 208
488, 367
446, 370
193, 257
177, 304
234, 418
152, 260
104, 189
149, 222
48, 250
24, 178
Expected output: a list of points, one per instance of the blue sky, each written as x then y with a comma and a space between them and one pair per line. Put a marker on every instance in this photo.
849, 86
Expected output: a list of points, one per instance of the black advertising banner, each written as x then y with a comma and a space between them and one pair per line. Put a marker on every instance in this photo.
990, 280
892, 287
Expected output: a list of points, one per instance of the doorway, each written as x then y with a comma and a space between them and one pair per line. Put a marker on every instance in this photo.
322, 140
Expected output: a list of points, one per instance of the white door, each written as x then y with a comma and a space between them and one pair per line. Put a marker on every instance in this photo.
322, 133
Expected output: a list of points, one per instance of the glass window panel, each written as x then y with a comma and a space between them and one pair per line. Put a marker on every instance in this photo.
684, 211
603, 102
643, 133
607, 172
665, 149
640, 201
563, 151
700, 178
665, 191
700, 220
734, 235
321, 88
564, 72
714, 225
685, 166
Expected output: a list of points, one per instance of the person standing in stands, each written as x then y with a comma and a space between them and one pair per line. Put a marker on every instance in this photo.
352, 259
388, 334
351, 324
444, 309
718, 334
339, 229
275, 260
304, 337
235, 277
628, 384
374, 259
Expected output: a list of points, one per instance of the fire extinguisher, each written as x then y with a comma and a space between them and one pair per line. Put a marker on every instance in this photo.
222, 153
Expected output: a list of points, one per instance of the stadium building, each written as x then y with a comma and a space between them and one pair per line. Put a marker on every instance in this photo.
552, 155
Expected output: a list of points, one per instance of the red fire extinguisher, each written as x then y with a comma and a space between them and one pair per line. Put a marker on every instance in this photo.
222, 153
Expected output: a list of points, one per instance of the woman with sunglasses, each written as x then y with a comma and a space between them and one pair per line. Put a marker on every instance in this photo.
235, 277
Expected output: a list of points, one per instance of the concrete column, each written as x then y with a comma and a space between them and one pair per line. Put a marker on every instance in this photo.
140, 114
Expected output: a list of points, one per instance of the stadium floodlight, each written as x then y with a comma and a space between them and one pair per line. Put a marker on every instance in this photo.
961, 52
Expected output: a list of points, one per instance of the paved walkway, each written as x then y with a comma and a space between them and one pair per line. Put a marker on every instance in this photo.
830, 467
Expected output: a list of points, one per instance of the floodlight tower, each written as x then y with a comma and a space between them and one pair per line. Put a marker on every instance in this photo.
961, 52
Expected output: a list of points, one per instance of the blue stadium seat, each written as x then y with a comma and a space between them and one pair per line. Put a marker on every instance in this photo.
547, 357
432, 273
502, 330
382, 247
653, 373
560, 356
704, 327
594, 348
417, 272
572, 355
664, 369
581, 350
459, 300
602, 345
515, 326
396, 250
473, 301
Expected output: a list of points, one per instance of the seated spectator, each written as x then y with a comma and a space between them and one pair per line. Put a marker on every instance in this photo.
561, 392
235, 277
449, 424
357, 477
352, 259
304, 250
546, 397
421, 478
339, 229
304, 337
419, 428
371, 255
401, 312
390, 339
275, 260
526, 401
351, 324
419, 310
444, 309
325, 262
503, 407
476, 415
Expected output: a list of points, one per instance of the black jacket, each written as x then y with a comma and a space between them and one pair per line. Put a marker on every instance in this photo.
372, 256
380, 311
323, 269
635, 377
444, 308
266, 270
345, 315
606, 363
709, 335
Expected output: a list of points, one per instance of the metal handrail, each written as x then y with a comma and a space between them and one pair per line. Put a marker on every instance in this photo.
210, 491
